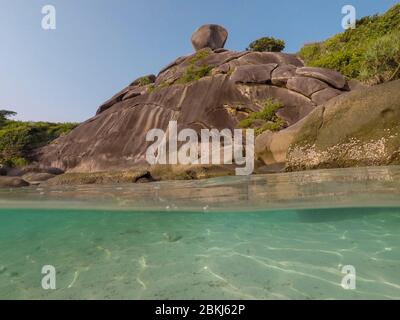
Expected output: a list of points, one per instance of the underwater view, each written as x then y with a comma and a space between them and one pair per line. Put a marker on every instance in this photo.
199, 160
279, 236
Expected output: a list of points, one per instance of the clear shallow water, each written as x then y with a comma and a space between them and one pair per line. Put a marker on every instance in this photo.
266, 237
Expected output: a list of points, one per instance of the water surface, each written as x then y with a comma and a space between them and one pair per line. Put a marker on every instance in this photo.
283, 236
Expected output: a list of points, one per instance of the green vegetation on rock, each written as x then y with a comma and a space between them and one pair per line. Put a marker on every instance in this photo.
4, 115
154, 88
370, 52
144, 81
264, 120
267, 44
382, 59
194, 71
199, 55
18, 139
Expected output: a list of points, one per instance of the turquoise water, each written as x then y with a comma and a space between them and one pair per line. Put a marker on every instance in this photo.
284, 236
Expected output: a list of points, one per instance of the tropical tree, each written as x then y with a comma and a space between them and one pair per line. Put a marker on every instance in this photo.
269, 44
5, 114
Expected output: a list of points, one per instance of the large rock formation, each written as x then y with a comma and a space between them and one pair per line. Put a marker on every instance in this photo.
360, 128
207, 89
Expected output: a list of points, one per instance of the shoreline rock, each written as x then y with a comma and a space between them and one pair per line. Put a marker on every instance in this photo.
12, 182
142, 174
360, 128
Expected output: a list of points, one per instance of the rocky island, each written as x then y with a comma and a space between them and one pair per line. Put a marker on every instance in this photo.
304, 117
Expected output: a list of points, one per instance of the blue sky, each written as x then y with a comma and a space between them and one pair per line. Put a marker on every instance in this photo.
100, 46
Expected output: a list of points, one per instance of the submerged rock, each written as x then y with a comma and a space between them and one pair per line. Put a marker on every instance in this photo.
172, 237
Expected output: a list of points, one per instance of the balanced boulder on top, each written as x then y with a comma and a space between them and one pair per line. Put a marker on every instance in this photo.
209, 36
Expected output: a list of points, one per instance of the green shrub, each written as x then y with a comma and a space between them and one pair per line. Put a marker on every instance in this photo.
194, 73
18, 139
4, 115
144, 81
267, 115
381, 61
199, 55
267, 44
353, 52
154, 88
271, 126
14, 162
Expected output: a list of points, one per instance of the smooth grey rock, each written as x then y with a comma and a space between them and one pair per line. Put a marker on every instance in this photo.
14, 172
112, 101
270, 57
271, 147
293, 114
151, 78
209, 36
52, 170
253, 73
220, 50
3, 170
356, 85
37, 177
282, 74
35, 168
332, 77
135, 92
324, 95
306, 86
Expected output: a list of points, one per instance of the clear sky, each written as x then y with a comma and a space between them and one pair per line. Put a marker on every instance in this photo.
100, 46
